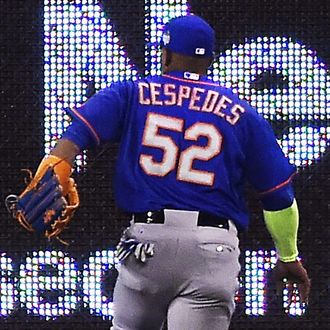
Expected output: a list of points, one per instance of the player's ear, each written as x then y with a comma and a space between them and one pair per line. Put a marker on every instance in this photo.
212, 59
166, 59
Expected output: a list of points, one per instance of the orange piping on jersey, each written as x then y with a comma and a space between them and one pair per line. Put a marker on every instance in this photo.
191, 81
85, 121
278, 186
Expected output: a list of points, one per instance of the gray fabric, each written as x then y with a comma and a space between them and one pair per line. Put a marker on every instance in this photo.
191, 278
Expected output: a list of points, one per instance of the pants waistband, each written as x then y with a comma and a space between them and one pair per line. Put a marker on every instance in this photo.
181, 218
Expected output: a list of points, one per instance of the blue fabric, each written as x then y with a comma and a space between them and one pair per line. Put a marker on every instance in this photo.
278, 199
210, 140
105, 112
189, 35
264, 156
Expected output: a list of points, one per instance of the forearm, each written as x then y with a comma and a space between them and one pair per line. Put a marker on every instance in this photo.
283, 227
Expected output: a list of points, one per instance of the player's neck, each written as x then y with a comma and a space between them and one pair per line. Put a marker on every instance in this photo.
172, 68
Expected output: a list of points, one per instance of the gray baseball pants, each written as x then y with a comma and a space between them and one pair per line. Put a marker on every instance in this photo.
191, 280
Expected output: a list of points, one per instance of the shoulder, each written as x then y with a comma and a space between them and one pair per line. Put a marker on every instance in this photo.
131, 84
250, 115
238, 99
115, 91
119, 86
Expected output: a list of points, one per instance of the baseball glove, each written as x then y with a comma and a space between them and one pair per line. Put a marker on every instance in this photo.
42, 208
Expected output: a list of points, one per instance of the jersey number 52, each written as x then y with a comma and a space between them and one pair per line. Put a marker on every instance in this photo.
173, 158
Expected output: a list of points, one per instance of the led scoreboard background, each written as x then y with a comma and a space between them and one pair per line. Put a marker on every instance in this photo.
86, 45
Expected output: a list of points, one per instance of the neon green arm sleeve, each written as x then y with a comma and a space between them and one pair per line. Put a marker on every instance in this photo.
283, 227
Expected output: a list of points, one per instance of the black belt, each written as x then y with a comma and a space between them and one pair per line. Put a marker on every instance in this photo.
204, 219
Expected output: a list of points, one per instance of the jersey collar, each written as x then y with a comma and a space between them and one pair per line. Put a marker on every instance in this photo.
190, 77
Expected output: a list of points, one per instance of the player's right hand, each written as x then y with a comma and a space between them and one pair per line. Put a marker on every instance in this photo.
294, 273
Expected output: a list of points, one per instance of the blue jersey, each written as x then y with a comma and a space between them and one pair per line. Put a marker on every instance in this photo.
185, 143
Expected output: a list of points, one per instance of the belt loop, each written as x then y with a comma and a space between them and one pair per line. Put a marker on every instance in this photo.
149, 217
180, 217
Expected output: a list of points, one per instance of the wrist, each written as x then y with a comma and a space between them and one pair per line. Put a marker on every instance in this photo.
287, 260
61, 167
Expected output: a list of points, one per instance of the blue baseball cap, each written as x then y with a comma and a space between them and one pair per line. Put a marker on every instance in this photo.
189, 35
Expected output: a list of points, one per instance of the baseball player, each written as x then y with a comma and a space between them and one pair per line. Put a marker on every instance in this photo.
187, 147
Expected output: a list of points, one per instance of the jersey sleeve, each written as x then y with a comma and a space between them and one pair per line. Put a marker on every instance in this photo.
268, 169
100, 119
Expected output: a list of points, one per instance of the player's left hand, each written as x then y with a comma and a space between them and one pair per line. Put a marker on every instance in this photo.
294, 273
42, 208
